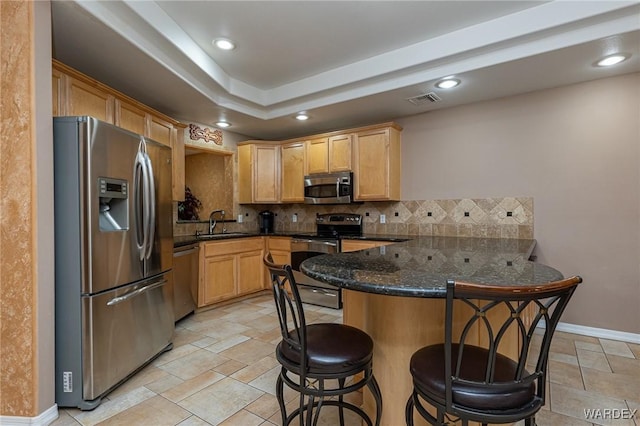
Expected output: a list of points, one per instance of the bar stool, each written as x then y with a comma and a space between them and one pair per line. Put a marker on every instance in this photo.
463, 381
317, 359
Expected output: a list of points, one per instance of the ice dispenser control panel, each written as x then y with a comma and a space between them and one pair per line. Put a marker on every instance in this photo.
114, 209
113, 188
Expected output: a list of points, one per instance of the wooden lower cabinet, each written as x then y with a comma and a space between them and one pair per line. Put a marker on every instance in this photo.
250, 275
355, 245
229, 269
280, 249
219, 280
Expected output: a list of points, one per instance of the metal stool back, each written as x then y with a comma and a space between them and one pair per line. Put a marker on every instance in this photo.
318, 359
470, 381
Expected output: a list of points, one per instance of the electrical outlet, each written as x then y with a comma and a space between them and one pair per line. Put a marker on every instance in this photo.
239, 218
383, 218
294, 218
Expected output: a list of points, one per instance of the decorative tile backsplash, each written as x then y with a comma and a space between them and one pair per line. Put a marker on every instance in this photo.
508, 217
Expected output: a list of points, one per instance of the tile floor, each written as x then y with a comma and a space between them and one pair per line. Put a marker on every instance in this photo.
222, 371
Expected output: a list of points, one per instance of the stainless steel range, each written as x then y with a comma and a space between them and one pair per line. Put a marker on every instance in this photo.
329, 230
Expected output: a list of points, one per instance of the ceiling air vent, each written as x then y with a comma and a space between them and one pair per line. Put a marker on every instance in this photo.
427, 97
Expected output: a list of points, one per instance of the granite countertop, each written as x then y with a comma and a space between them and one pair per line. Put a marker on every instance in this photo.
421, 266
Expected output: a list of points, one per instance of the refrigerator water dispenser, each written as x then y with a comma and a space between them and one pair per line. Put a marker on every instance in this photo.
114, 209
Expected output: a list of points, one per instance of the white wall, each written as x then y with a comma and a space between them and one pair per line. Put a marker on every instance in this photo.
576, 151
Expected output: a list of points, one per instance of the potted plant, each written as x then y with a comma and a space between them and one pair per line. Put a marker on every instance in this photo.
190, 207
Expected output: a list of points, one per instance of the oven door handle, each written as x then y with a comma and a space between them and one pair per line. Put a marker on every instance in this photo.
326, 243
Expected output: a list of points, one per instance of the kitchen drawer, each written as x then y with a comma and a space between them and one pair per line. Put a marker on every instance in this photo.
233, 246
279, 243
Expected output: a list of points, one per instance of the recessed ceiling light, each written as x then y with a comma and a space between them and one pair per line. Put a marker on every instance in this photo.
223, 124
447, 83
302, 116
224, 44
612, 60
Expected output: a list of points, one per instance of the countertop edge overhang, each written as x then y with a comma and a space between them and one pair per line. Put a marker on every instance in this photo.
420, 267
183, 240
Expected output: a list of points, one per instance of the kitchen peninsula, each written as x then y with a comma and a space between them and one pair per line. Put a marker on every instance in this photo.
396, 294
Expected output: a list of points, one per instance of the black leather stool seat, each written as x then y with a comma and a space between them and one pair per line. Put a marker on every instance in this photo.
427, 369
332, 348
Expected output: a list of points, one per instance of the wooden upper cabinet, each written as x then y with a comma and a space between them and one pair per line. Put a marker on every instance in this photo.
292, 172
86, 99
340, 153
57, 84
377, 164
329, 154
318, 155
130, 117
258, 173
77, 94
159, 130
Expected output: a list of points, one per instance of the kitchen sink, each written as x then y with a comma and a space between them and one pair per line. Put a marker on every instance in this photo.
221, 236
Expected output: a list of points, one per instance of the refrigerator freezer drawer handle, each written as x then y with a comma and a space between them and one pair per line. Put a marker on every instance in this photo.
135, 293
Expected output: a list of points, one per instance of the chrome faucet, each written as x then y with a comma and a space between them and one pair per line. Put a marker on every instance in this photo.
212, 221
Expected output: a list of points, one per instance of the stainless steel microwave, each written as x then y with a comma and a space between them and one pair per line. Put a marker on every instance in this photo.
329, 188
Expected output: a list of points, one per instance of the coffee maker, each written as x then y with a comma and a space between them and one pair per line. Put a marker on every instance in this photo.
265, 220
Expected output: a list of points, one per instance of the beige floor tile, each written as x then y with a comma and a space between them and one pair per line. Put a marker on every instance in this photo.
195, 363
613, 347
549, 418
567, 359
265, 406
64, 419
156, 411
635, 348
573, 403
184, 336
191, 386
594, 360
229, 367
164, 384
227, 343
243, 418
267, 382
211, 314
175, 353
613, 385
563, 346
217, 402
112, 407
624, 365
263, 322
576, 337
193, 421
249, 351
204, 342
265, 336
588, 346
253, 371
147, 375
219, 329
565, 374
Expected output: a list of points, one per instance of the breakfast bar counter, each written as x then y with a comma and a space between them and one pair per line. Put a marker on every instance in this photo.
396, 294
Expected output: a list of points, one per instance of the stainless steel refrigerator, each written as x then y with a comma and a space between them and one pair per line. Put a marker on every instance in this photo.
113, 254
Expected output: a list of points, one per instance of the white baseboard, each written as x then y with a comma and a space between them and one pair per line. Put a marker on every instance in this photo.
599, 332
45, 418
